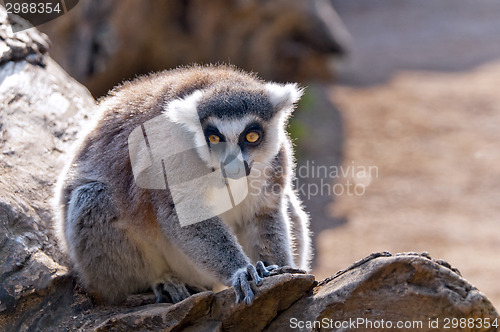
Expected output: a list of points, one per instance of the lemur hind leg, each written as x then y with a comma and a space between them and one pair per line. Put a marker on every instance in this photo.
107, 263
171, 290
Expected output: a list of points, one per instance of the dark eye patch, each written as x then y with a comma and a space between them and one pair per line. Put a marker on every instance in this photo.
212, 130
252, 127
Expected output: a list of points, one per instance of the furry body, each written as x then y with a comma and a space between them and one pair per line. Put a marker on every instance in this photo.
123, 239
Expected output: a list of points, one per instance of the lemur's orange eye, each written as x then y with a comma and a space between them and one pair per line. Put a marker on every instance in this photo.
214, 139
252, 137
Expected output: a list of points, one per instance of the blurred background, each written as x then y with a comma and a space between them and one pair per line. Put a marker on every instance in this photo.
398, 134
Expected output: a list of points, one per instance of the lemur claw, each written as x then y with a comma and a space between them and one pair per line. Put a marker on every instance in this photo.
242, 278
263, 270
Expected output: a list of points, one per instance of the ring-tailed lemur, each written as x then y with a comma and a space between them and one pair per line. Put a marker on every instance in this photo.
123, 237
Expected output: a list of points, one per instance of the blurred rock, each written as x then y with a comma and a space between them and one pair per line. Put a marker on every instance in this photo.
41, 111
101, 42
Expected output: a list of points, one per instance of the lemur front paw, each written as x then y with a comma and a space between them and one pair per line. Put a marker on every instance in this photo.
170, 290
242, 278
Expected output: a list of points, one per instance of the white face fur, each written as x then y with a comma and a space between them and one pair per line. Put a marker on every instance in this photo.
232, 133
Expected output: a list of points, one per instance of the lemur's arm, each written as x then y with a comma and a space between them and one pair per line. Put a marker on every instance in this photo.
215, 249
274, 245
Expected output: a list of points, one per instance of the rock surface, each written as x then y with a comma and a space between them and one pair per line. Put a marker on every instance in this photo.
41, 111
405, 288
29, 45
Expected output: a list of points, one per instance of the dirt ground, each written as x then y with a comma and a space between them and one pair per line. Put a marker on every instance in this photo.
438, 35
420, 101
434, 140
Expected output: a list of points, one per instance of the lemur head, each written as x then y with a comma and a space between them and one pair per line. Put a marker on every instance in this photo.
231, 122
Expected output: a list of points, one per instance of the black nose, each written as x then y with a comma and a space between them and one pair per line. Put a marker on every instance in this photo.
235, 168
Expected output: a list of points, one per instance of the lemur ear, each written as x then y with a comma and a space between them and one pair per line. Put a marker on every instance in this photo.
184, 111
283, 96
